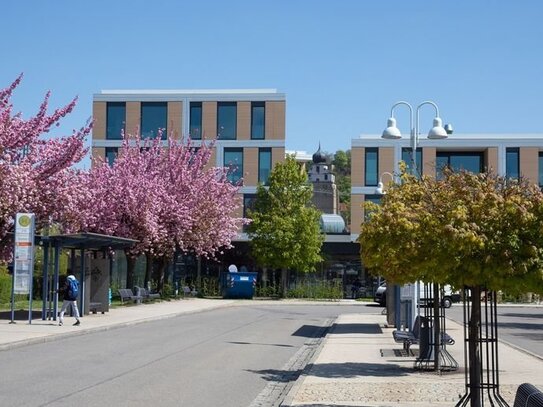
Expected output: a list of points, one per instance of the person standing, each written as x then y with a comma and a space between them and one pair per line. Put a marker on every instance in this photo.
70, 291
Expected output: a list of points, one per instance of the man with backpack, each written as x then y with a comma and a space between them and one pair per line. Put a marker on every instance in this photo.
70, 292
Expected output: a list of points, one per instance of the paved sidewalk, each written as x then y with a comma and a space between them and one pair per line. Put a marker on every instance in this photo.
22, 333
357, 367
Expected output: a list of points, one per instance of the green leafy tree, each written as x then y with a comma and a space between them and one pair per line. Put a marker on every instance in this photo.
284, 231
470, 230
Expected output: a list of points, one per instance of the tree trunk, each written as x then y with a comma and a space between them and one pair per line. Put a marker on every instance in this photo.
148, 270
159, 274
284, 281
437, 329
130, 266
474, 351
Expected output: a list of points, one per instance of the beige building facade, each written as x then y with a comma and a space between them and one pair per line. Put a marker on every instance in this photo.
248, 126
375, 159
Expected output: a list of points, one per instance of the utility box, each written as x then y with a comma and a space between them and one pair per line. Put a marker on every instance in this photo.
238, 285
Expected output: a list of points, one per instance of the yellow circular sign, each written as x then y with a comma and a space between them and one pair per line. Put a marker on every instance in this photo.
24, 221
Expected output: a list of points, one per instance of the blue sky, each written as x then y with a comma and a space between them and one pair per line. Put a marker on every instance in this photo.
341, 64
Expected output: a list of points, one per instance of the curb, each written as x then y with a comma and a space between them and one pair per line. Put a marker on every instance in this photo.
85, 331
291, 395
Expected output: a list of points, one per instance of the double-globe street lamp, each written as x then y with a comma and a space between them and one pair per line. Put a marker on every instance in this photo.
437, 132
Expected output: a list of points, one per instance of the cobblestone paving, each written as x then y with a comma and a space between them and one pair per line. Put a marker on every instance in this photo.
385, 394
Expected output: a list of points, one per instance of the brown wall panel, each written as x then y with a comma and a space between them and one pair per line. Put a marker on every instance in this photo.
529, 163
275, 120
386, 160
429, 161
491, 159
244, 121
250, 166
209, 120
175, 119
278, 155
357, 166
133, 117
357, 212
99, 110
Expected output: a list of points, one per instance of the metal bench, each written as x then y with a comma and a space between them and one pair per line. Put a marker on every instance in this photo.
126, 294
412, 337
147, 295
94, 307
528, 396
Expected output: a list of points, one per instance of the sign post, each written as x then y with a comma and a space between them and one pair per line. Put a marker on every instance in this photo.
23, 263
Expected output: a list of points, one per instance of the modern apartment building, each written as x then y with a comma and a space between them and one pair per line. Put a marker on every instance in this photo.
248, 126
511, 155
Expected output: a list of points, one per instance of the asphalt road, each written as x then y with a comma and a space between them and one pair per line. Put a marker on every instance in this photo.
521, 326
226, 357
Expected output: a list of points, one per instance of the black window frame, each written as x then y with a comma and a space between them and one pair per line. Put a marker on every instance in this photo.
220, 134
112, 135
367, 181
195, 105
165, 128
255, 105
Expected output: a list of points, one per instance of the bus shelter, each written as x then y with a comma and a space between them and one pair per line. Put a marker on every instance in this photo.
94, 284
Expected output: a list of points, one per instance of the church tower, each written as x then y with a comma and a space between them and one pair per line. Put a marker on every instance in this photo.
325, 195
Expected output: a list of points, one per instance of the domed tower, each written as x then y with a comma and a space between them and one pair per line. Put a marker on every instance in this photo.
325, 196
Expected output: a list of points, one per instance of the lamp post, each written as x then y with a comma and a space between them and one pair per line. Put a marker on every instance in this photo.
437, 132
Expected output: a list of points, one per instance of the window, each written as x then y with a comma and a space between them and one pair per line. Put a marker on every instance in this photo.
195, 120
512, 166
407, 157
154, 116
233, 158
248, 204
111, 155
541, 169
264, 164
258, 110
371, 166
227, 120
115, 120
468, 161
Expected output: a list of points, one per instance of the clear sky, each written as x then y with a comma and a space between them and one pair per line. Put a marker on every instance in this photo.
341, 64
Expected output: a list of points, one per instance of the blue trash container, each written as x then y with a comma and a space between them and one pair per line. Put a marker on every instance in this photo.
238, 285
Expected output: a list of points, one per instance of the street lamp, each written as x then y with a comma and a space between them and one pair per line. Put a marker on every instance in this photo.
380, 190
437, 132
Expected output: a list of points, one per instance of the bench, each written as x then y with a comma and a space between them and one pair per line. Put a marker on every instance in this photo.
188, 291
147, 295
94, 307
412, 337
126, 294
528, 396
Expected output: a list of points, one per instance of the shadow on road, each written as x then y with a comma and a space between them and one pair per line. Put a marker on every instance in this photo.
19, 315
262, 344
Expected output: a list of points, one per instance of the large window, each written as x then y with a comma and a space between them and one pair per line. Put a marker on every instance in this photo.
227, 118
264, 164
154, 116
457, 161
115, 120
371, 166
407, 157
111, 154
258, 110
195, 120
512, 163
233, 158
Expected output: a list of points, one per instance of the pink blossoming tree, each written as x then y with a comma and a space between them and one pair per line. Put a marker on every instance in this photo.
35, 172
164, 197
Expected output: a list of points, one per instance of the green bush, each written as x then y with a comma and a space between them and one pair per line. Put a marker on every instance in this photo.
271, 290
317, 289
5, 288
208, 287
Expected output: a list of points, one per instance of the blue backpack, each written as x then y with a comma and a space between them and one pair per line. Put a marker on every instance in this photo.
73, 289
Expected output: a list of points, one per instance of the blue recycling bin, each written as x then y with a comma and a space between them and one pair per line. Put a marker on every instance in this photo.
238, 285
